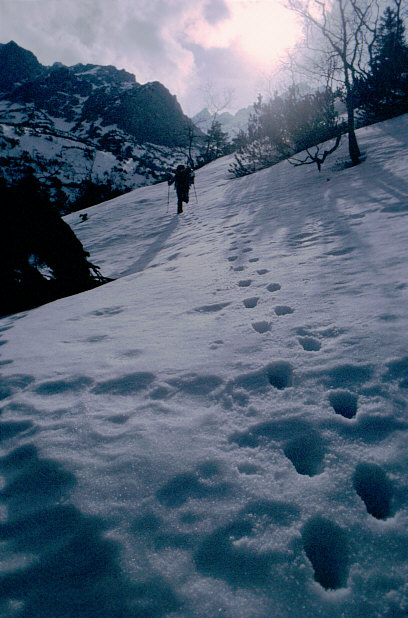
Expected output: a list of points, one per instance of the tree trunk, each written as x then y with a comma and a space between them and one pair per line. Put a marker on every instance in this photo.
354, 150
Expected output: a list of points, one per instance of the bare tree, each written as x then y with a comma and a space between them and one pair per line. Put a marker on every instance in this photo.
315, 157
215, 140
217, 102
340, 34
192, 133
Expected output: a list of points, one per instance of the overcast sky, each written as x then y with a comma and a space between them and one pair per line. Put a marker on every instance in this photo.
233, 45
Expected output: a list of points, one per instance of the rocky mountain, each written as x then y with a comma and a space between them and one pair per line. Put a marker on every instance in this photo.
82, 125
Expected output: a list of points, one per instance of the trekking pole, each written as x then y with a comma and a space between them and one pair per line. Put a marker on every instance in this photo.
195, 193
168, 199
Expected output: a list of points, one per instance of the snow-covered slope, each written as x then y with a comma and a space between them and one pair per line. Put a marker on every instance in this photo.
222, 430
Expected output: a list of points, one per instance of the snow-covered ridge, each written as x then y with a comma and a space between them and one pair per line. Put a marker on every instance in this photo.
221, 430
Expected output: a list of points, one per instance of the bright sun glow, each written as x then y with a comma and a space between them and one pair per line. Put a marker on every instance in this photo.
264, 28
261, 29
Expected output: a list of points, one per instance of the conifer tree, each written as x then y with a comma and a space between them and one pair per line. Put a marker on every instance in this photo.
216, 142
384, 92
41, 258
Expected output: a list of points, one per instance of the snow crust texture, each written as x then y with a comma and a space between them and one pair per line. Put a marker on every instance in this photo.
221, 431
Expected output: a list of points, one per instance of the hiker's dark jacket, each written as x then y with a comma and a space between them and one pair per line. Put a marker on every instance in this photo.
183, 178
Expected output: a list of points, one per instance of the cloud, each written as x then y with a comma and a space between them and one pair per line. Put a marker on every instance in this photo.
219, 73
216, 11
181, 43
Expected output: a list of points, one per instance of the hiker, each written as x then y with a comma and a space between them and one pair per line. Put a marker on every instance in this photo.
183, 178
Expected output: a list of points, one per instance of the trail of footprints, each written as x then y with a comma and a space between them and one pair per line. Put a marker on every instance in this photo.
324, 542
224, 552
309, 342
219, 553
262, 326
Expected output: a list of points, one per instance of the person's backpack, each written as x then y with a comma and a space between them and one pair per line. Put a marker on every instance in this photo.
185, 178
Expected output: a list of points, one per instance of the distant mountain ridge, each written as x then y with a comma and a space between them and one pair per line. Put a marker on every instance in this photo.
121, 130
230, 123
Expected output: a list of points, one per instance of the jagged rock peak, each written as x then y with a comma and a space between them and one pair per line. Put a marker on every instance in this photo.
17, 65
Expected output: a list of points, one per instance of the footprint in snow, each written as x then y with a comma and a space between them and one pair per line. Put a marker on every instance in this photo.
306, 452
212, 308
125, 385
283, 310
262, 271
310, 344
344, 403
273, 287
172, 257
374, 488
278, 374
326, 546
216, 344
118, 419
266, 432
131, 353
261, 327
301, 444
252, 302
340, 252
232, 258
253, 260
95, 338
244, 283
107, 311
